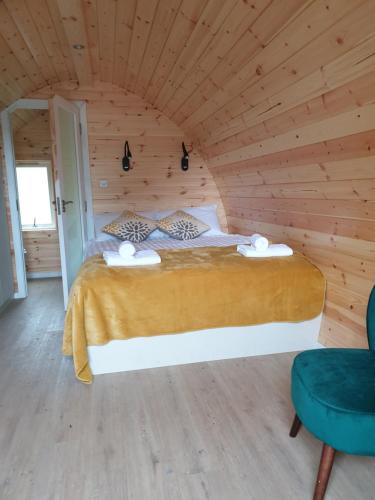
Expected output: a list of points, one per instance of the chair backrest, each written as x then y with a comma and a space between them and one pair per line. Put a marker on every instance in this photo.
370, 320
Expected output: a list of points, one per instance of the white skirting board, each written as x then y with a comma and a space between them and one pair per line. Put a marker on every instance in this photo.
203, 345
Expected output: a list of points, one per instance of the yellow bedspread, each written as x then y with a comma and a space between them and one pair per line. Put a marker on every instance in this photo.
192, 289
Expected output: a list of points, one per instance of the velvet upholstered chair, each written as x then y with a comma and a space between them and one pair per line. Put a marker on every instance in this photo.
333, 392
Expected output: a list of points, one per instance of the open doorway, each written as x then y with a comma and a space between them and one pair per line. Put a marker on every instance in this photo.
49, 189
36, 195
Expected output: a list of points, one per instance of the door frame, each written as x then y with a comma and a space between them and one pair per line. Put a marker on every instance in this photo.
11, 181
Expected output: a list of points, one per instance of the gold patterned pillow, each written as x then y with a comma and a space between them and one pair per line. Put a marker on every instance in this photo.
130, 227
182, 226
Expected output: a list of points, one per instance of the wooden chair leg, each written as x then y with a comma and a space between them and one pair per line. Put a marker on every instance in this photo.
295, 427
325, 467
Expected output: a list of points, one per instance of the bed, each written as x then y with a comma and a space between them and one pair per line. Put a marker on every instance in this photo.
203, 302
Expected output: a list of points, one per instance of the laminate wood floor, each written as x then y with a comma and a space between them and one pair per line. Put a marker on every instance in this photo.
210, 431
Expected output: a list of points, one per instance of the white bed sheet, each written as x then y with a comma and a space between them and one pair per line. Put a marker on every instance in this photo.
95, 247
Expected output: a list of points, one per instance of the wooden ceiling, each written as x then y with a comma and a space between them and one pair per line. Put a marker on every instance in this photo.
215, 67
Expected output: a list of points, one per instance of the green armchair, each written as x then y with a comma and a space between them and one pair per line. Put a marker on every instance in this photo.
333, 393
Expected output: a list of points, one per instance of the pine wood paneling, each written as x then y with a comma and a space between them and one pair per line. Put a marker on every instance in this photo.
142, 26
49, 35
164, 19
319, 197
208, 27
183, 27
33, 140
20, 13
358, 92
295, 52
19, 46
156, 179
73, 21
355, 121
42, 251
216, 67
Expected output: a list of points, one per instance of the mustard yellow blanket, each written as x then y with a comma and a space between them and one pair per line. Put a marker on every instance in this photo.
192, 289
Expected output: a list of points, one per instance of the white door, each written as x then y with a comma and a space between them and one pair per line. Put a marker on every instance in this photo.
67, 160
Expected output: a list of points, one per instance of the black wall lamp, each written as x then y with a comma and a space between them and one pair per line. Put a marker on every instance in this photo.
185, 158
127, 157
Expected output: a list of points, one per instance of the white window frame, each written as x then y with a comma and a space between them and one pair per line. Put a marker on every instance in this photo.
32, 164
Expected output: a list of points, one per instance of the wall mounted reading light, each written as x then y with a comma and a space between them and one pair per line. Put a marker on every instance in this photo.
78, 46
185, 158
127, 157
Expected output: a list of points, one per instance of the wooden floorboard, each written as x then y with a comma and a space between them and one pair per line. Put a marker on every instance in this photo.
216, 431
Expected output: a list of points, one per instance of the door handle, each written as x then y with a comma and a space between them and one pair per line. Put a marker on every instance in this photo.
56, 203
64, 203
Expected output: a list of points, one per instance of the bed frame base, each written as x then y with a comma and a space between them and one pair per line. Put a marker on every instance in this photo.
203, 345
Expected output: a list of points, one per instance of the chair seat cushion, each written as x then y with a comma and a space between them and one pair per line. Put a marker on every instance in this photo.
333, 391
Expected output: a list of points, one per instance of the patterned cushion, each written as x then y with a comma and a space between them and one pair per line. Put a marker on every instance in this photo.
130, 227
182, 226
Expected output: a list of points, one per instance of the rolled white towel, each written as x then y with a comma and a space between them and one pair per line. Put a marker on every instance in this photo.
141, 258
126, 249
147, 256
259, 242
114, 258
280, 250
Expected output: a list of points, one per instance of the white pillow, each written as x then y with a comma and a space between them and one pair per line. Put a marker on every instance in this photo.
208, 215
205, 213
100, 220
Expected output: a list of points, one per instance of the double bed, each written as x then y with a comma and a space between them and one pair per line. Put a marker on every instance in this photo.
203, 302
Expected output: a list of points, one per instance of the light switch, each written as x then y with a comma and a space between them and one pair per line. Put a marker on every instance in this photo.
103, 183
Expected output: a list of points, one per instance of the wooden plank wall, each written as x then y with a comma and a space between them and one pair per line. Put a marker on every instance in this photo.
32, 141
306, 177
43, 254
156, 180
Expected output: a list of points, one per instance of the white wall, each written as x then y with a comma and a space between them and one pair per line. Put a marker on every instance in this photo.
6, 278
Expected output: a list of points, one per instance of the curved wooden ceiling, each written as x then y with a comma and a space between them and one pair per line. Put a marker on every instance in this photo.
215, 67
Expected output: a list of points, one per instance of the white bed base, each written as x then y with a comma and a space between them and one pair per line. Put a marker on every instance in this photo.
203, 345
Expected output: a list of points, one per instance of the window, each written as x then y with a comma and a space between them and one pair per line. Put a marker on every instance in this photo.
35, 194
